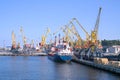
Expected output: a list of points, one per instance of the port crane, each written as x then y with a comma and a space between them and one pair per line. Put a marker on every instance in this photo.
88, 36
13, 40
32, 43
94, 33
64, 30
60, 28
66, 36
23, 36
69, 35
79, 40
43, 41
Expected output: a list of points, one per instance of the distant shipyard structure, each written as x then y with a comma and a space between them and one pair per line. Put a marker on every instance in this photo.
114, 49
28, 48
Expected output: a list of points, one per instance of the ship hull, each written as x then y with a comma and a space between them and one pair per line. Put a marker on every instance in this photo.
60, 58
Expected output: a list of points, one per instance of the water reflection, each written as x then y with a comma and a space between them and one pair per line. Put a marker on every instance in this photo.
41, 68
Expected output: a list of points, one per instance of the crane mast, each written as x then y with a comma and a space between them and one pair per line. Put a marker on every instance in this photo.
57, 30
67, 34
97, 21
66, 38
43, 42
94, 33
70, 36
32, 43
13, 40
23, 36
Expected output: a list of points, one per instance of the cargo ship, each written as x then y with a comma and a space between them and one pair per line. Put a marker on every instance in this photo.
61, 53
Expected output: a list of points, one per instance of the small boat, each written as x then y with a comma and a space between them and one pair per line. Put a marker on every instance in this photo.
61, 53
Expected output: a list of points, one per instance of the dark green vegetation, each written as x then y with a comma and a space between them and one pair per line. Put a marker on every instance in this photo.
110, 42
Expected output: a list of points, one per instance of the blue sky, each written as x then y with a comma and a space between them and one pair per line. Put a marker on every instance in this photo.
36, 15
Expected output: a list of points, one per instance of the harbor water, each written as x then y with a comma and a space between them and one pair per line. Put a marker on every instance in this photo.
41, 68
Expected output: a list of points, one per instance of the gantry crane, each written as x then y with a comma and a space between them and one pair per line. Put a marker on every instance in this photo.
69, 36
14, 44
63, 29
66, 31
87, 42
60, 28
66, 37
43, 42
32, 43
23, 36
87, 34
13, 40
79, 40
94, 33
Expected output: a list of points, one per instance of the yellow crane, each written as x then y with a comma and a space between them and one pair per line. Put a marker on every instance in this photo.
87, 34
60, 28
23, 36
69, 35
94, 33
66, 37
13, 40
43, 42
66, 31
79, 40
87, 42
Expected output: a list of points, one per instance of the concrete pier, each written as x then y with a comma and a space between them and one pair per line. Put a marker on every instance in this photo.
99, 66
21, 54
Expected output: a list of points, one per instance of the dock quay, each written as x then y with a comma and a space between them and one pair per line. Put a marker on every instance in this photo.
21, 54
98, 66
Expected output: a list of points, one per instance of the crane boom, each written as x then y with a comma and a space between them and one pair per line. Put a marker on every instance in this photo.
97, 21
43, 42
23, 36
94, 33
70, 36
75, 30
13, 38
48, 31
60, 28
79, 41
87, 35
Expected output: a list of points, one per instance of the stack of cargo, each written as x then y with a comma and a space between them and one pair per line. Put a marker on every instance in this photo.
96, 60
101, 61
114, 63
